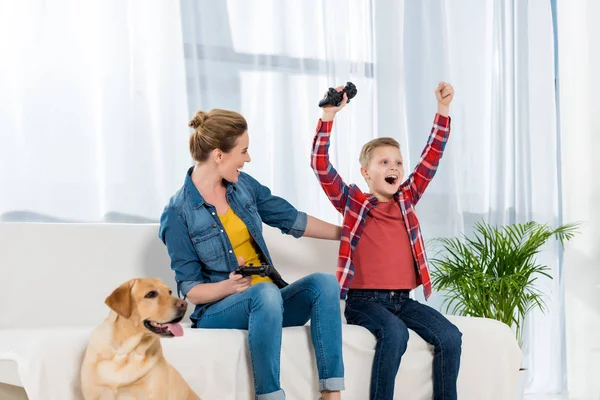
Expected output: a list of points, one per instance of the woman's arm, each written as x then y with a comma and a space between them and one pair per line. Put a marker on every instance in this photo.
279, 213
319, 229
184, 261
209, 292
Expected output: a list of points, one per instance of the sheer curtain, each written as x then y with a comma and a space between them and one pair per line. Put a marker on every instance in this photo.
92, 109
96, 96
579, 85
272, 61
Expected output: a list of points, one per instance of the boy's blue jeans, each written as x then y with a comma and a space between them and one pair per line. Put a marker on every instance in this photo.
389, 315
263, 310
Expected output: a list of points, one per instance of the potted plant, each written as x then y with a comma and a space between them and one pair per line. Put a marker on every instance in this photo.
493, 274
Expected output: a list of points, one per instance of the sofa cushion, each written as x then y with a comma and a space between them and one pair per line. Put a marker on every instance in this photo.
216, 362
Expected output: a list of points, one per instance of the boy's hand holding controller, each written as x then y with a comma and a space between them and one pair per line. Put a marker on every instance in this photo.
330, 111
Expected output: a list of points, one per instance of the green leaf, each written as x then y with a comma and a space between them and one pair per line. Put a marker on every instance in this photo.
494, 272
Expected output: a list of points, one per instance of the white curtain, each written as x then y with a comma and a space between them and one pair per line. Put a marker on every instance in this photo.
272, 61
96, 96
93, 109
579, 85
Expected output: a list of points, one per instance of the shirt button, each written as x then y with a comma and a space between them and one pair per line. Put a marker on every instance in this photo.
221, 230
230, 251
213, 213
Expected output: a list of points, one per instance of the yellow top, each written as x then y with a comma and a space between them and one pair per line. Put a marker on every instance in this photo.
242, 242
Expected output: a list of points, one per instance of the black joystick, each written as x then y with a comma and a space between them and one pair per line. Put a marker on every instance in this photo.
262, 270
334, 98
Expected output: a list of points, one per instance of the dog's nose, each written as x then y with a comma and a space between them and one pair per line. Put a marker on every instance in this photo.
181, 304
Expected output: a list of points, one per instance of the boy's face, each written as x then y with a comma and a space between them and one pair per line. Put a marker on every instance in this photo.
384, 172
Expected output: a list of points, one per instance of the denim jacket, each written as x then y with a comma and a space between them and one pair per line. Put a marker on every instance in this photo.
196, 241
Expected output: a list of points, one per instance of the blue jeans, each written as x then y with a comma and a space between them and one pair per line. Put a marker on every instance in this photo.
263, 310
389, 315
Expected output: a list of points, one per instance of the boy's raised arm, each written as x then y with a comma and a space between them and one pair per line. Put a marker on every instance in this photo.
331, 182
425, 170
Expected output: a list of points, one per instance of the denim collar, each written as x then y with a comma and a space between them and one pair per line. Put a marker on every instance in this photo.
195, 196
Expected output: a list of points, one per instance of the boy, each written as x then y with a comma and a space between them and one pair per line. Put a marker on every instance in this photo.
382, 256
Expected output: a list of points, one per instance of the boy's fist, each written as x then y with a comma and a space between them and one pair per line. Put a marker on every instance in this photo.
444, 93
330, 111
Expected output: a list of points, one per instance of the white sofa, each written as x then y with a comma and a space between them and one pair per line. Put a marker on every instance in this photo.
54, 279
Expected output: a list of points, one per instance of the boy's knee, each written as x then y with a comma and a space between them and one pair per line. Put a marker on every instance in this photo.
394, 335
452, 339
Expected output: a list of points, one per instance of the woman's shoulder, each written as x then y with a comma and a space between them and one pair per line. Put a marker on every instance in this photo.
246, 179
248, 182
176, 202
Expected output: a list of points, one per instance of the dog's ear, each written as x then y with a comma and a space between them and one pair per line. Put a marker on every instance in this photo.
120, 299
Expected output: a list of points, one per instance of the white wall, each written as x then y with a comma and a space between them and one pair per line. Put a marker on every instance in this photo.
579, 85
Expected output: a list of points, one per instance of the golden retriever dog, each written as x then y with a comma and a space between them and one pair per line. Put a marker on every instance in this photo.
124, 358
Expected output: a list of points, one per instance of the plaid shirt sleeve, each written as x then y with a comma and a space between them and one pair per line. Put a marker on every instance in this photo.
425, 170
331, 182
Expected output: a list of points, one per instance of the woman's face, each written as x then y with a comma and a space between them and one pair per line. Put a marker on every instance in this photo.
230, 163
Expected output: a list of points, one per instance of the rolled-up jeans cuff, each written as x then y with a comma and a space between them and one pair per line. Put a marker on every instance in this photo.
278, 395
331, 384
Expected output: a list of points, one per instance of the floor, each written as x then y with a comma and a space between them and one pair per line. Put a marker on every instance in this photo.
546, 397
8, 392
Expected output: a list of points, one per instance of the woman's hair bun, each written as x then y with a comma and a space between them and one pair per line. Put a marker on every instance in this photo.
198, 119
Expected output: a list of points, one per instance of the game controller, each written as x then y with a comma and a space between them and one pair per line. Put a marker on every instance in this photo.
262, 270
334, 98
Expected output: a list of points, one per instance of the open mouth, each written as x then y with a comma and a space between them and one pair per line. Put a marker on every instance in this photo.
391, 179
167, 329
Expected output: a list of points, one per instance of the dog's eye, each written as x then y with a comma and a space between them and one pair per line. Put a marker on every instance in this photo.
170, 292
151, 295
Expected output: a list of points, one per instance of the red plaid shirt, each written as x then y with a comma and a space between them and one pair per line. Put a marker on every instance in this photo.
354, 205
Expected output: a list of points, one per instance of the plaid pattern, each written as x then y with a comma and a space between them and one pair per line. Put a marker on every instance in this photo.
354, 205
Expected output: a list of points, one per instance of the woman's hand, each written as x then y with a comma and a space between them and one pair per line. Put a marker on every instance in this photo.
204, 293
238, 283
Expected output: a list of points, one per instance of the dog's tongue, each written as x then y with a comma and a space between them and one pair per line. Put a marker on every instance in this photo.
175, 329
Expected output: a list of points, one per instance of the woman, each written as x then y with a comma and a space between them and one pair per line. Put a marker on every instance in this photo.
214, 223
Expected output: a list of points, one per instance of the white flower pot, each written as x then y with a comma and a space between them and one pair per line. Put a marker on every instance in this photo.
521, 383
